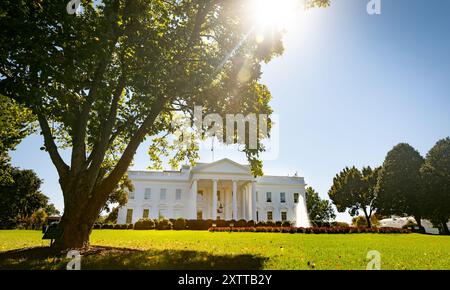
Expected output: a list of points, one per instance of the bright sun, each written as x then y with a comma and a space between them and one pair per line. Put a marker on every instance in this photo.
274, 13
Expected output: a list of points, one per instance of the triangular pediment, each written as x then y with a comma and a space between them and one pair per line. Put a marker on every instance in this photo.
222, 166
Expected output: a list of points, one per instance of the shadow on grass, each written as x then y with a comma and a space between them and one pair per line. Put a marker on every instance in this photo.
122, 259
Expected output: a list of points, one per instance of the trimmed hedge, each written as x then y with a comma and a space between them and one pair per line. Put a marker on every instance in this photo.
164, 224
321, 230
144, 224
110, 226
180, 224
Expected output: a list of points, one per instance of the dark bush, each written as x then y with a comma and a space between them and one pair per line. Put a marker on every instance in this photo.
120, 227
130, 226
278, 224
251, 223
180, 224
241, 223
144, 224
222, 223
97, 226
108, 226
286, 224
270, 224
164, 224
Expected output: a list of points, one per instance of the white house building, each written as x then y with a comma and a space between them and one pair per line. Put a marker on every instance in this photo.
219, 190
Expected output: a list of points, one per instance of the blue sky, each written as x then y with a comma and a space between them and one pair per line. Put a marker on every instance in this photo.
348, 88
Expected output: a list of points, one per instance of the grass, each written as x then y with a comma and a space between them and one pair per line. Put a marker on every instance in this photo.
129, 249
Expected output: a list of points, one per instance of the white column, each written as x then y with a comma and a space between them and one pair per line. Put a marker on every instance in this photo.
214, 200
234, 200
249, 202
243, 203
253, 201
194, 199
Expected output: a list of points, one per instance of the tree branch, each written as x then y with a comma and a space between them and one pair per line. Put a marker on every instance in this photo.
101, 147
121, 167
52, 149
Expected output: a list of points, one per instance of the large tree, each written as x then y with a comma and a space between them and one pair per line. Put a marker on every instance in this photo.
104, 79
399, 190
354, 190
436, 176
320, 211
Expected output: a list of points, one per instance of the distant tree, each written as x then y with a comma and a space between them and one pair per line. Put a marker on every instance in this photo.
355, 190
320, 211
15, 124
112, 216
20, 198
436, 176
51, 210
361, 221
399, 190
38, 218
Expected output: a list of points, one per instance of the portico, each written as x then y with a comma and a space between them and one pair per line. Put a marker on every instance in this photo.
221, 198
223, 191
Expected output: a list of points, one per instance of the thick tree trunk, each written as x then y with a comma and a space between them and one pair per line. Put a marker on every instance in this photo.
81, 210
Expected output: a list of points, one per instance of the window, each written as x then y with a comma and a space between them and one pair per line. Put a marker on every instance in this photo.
257, 216
178, 194
268, 197
296, 197
146, 213
283, 216
148, 192
199, 215
129, 219
162, 213
282, 197
200, 195
162, 194
218, 195
257, 196
176, 213
269, 216
131, 195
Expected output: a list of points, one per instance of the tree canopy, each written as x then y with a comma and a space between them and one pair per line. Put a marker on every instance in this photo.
16, 122
354, 190
399, 190
436, 175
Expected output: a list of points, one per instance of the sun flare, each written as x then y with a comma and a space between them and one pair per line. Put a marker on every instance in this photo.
277, 14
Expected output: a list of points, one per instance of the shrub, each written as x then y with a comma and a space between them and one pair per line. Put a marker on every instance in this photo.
108, 226
251, 223
144, 224
270, 224
286, 224
97, 226
241, 223
120, 227
164, 224
130, 226
180, 224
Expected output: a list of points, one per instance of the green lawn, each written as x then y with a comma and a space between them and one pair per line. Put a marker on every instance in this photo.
129, 249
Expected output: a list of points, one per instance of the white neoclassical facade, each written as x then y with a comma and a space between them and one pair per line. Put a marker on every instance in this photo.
219, 190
